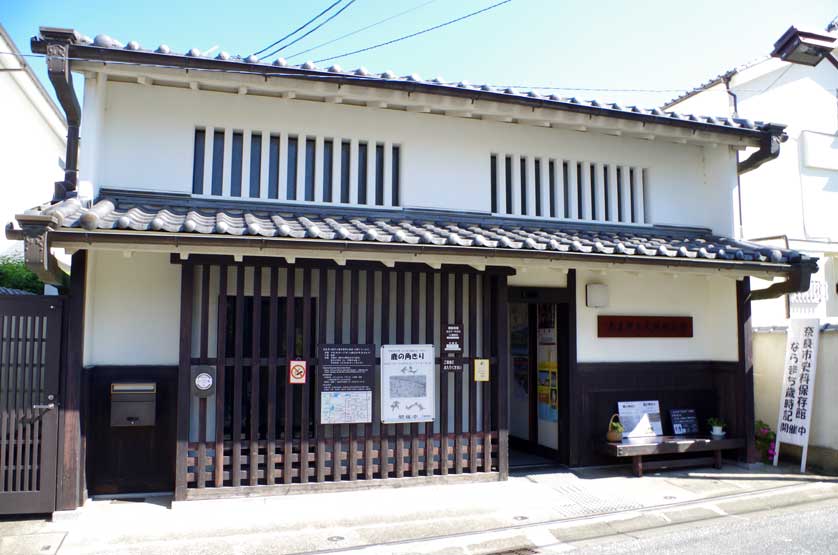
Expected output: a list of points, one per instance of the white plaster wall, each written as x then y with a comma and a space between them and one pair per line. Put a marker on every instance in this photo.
148, 132
711, 301
32, 145
132, 311
769, 353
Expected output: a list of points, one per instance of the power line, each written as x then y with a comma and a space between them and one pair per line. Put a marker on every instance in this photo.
300, 28
416, 34
362, 29
298, 39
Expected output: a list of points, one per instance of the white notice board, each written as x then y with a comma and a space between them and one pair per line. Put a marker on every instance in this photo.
408, 383
798, 389
640, 418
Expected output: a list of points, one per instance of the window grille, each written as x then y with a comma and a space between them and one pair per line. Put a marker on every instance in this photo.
548, 187
295, 167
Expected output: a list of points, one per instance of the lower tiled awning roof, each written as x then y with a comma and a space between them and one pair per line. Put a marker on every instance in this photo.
187, 216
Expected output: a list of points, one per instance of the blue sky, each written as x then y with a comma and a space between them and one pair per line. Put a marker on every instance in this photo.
608, 44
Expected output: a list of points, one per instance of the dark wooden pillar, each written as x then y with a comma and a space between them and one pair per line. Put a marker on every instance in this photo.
575, 409
746, 366
502, 338
70, 474
183, 393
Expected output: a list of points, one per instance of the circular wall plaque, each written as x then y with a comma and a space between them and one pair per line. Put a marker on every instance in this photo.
203, 381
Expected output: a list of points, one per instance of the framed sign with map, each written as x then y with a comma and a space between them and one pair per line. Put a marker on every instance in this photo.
346, 383
408, 383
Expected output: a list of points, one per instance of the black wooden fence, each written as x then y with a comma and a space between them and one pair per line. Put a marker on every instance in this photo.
238, 316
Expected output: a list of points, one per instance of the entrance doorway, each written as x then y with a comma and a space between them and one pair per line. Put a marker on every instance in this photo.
538, 383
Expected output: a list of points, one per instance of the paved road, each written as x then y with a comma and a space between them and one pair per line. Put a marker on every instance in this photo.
810, 528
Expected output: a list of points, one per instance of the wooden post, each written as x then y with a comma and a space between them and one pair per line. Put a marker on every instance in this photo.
502, 378
469, 369
201, 462
288, 398
255, 374
574, 448
183, 393
485, 387
746, 367
236, 434
70, 485
220, 371
430, 317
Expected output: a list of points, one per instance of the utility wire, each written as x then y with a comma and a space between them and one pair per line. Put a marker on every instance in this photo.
300, 28
298, 39
416, 34
355, 32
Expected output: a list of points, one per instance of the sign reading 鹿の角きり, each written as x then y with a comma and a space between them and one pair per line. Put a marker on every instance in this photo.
408, 383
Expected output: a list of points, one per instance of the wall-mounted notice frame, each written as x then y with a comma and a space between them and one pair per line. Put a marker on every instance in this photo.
408, 384
346, 381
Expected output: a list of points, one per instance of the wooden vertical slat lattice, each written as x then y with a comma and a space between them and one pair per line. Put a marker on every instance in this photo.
266, 431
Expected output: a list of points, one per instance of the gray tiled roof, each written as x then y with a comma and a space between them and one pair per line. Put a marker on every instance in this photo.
439, 85
183, 215
10, 291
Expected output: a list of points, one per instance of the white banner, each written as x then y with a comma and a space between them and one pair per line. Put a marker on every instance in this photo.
408, 385
798, 390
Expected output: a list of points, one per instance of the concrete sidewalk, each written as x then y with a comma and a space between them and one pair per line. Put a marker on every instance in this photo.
423, 519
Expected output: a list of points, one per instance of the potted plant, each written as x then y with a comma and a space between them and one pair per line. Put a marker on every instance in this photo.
615, 429
717, 426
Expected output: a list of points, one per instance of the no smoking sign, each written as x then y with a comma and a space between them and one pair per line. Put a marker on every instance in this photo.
298, 372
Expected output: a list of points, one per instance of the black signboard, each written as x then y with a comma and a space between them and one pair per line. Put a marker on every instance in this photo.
684, 421
452, 339
346, 367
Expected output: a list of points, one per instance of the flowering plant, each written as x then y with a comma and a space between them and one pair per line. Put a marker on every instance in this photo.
765, 440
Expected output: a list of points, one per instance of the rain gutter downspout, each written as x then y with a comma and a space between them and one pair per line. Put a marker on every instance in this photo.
797, 282
58, 43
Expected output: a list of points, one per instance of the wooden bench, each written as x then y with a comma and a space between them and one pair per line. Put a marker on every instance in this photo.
638, 447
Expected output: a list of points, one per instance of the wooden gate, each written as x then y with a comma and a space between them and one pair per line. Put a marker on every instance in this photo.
248, 319
30, 347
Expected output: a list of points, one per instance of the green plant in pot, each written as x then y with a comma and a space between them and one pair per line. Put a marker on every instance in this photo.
717, 426
615, 429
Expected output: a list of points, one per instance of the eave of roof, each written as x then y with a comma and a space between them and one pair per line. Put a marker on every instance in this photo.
179, 220
105, 49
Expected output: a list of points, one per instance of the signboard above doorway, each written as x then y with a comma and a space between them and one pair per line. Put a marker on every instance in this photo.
644, 326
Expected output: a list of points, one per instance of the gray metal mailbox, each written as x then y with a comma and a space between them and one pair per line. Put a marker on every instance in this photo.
133, 404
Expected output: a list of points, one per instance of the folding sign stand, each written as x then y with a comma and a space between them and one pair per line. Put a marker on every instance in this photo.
798, 390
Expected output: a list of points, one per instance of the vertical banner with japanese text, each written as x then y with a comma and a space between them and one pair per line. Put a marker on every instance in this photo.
800, 366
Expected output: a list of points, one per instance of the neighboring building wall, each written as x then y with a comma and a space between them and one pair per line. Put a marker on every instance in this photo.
33, 141
445, 160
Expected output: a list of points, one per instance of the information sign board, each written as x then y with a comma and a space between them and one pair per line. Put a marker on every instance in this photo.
346, 383
408, 385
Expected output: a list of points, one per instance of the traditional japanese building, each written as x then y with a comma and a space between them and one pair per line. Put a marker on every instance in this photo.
230, 219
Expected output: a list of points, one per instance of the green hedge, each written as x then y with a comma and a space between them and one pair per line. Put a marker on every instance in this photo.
15, 274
